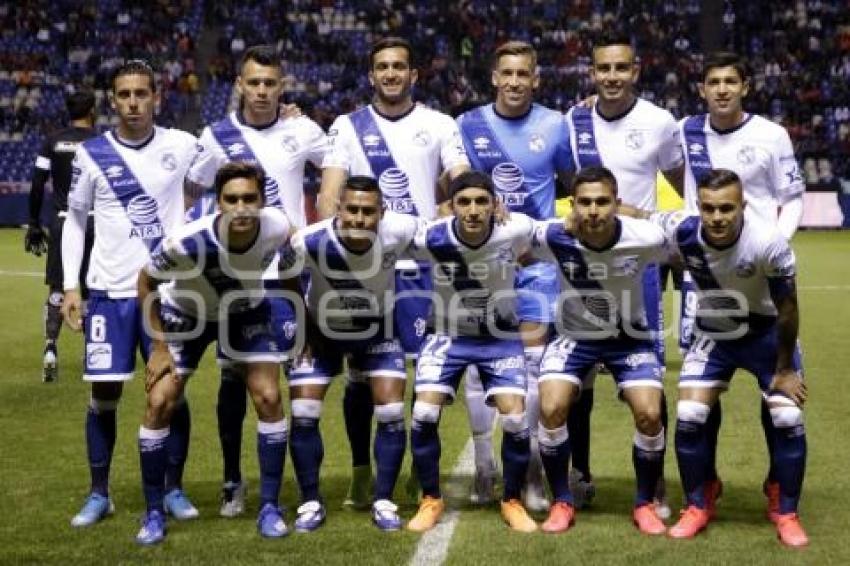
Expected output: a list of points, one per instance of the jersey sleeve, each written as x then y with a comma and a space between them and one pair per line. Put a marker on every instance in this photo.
452, 152
419, 245
340, 138
168, 259
317, 144
45, 156
292, 254
786, 178
670, 155
780, 267
539, 246
208, 159
83, 181
524, 233
564, 160
471, 155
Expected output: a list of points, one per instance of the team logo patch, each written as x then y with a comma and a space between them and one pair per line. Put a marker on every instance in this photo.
98, 356
481, 143
746, 155
235, 149
371, 140
745, 269
640, 359
289, 329
422, 138
114, 171
290, 144
634, 139
696, 148
168, 161
627, 265
536, 143
512, 362
585, 138
420, 325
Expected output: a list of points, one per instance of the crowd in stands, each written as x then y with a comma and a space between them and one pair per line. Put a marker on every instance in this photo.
799, 52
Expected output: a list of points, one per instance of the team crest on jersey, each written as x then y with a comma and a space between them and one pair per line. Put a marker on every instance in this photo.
481, 143
585, 138
290, 144
168, 161
536, 143
746, 155
114, 171
634, 139
388, 260
745, 269
235, 149
289, 328
626, 265
420, 325
422, 138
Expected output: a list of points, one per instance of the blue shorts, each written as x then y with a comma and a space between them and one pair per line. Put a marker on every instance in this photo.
443, 361
410, 313
711, 363
654, 308
244, 337
283, 320
632, 362
375, 357
113, 331
537, 292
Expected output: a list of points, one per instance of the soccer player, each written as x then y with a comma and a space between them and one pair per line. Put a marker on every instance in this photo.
473, 323
54, 161
747, 318
212, 290
635, 139
602, 318
282, 146
523, 146
132, 178
350, 258
406, 147
760, 152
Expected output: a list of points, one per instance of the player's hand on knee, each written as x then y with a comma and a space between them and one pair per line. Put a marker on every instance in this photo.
72, 310
791, 384
35, 240
160, 365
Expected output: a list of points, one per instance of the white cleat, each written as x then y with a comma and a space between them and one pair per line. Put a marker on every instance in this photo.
534, 497
232, 499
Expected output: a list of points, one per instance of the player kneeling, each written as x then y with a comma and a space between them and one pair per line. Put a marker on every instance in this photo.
212, 270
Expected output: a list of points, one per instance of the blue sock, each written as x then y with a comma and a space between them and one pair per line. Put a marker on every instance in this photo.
390, 444
307, 450
692, 455
271, 452
790, 459
425, 446
231, 410
153, 458
648, 460
712, 432
515, 455
178, 445
357, 408
770, 439
578, 423
555, 453
100, 442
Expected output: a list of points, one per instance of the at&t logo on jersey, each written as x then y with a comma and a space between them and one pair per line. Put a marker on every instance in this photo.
395, 185
508, 178
143, 213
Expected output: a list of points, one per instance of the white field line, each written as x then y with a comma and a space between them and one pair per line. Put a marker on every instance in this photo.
433, 547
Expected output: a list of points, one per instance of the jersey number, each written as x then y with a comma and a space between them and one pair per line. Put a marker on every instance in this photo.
98, 328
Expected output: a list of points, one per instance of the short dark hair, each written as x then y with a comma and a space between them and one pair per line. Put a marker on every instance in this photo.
239, 170
471, 178
594, 174
134, 67
610, 37
80, 104
515, 48
718, 179
264, 55
719, 59
362, 183
387, 43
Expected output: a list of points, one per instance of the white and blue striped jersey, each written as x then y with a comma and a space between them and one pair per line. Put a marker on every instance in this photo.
406, 154
523, 155
758, 150
634, 146
203, 275
474, 291
601, 289
349, 290
739, 279
282, 148
136, 193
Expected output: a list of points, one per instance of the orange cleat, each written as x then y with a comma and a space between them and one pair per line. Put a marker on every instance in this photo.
429, 513
561, 517
647, 521
790, 531
517, 517
692, 521
713, 490
771, 491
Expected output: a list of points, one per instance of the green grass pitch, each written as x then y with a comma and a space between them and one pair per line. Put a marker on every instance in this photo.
44, 474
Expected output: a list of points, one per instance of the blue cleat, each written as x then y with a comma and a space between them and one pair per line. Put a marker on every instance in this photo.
153, 528
270, 522
95, 508
311, 516
385, 515
178, 505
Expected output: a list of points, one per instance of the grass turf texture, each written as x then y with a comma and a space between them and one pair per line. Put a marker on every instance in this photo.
45, 474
